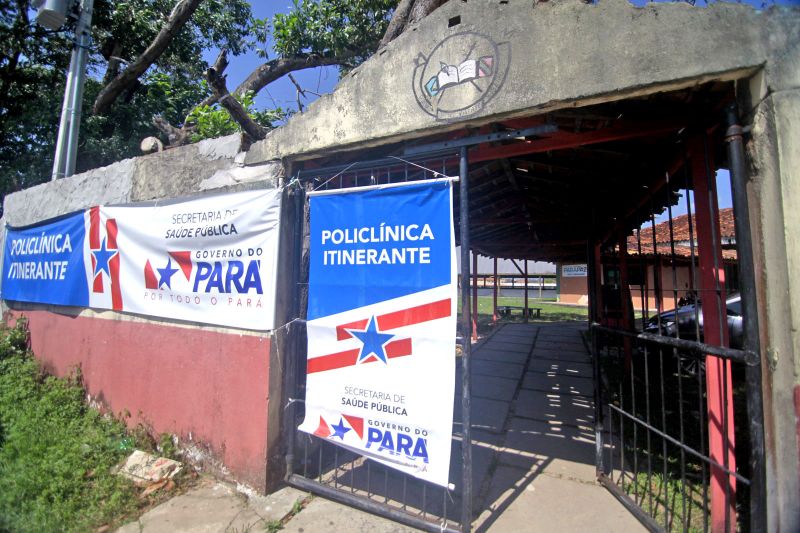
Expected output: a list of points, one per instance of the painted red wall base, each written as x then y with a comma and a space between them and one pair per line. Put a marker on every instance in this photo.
212, 386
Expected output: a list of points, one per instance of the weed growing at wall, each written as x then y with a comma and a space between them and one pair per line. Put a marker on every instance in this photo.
56, 453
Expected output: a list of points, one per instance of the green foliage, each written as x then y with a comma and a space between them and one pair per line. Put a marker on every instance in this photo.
674, 504
167, 447
33, 63
130, 26
214, 121
103, 137
332, 27
56, 454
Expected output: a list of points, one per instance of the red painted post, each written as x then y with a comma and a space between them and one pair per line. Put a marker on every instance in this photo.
525, 311
625, 299
719, 386
494, 294
474, 296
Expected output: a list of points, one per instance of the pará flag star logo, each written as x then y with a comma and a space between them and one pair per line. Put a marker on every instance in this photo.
373, 340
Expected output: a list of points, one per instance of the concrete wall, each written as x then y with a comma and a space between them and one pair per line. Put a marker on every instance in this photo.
547, 55
210, 386
772, 103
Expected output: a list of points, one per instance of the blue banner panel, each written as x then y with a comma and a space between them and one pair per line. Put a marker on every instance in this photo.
377, 244
44, 264
380, 367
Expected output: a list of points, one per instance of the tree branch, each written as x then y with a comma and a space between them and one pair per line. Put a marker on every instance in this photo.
114, 63
232, 105
300, 92
219, 67
177, 19
270, 71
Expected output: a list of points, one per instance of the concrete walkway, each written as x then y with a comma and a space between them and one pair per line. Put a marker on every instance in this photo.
533, 454
216, 507
533, 408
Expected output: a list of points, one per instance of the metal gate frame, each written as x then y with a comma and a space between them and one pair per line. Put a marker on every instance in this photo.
748, 355
445, 150
292, 382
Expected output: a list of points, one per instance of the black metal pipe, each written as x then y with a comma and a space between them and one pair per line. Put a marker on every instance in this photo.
365, 504
747, 289
699, 348
466, 325
293, 335
472, 140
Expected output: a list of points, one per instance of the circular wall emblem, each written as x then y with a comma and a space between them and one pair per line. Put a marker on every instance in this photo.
460, 76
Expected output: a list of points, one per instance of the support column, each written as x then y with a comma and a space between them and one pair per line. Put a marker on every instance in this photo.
719, 387
525, 312
494, 294
474, 296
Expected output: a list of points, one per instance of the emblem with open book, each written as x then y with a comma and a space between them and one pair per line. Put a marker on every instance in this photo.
460, 75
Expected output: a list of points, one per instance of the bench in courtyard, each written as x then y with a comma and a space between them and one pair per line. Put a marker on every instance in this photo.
506, 310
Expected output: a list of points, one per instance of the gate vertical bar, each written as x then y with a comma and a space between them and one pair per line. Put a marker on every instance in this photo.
747, 289
625, 298
466, 324
719, 388
594, 289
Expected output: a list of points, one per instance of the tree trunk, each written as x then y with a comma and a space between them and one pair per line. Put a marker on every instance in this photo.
398, 22
423, 8
408, 12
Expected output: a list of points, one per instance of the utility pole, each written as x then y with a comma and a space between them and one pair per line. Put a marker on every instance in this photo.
52, 13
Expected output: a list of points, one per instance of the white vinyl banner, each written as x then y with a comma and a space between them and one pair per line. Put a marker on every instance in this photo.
211, 259
380, 375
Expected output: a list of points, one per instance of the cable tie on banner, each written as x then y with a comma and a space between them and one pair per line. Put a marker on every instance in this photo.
286, 325
294, 181
436, 174
293, 400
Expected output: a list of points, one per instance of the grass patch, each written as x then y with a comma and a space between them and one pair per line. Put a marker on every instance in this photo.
550, 311
56, 453
674, 505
